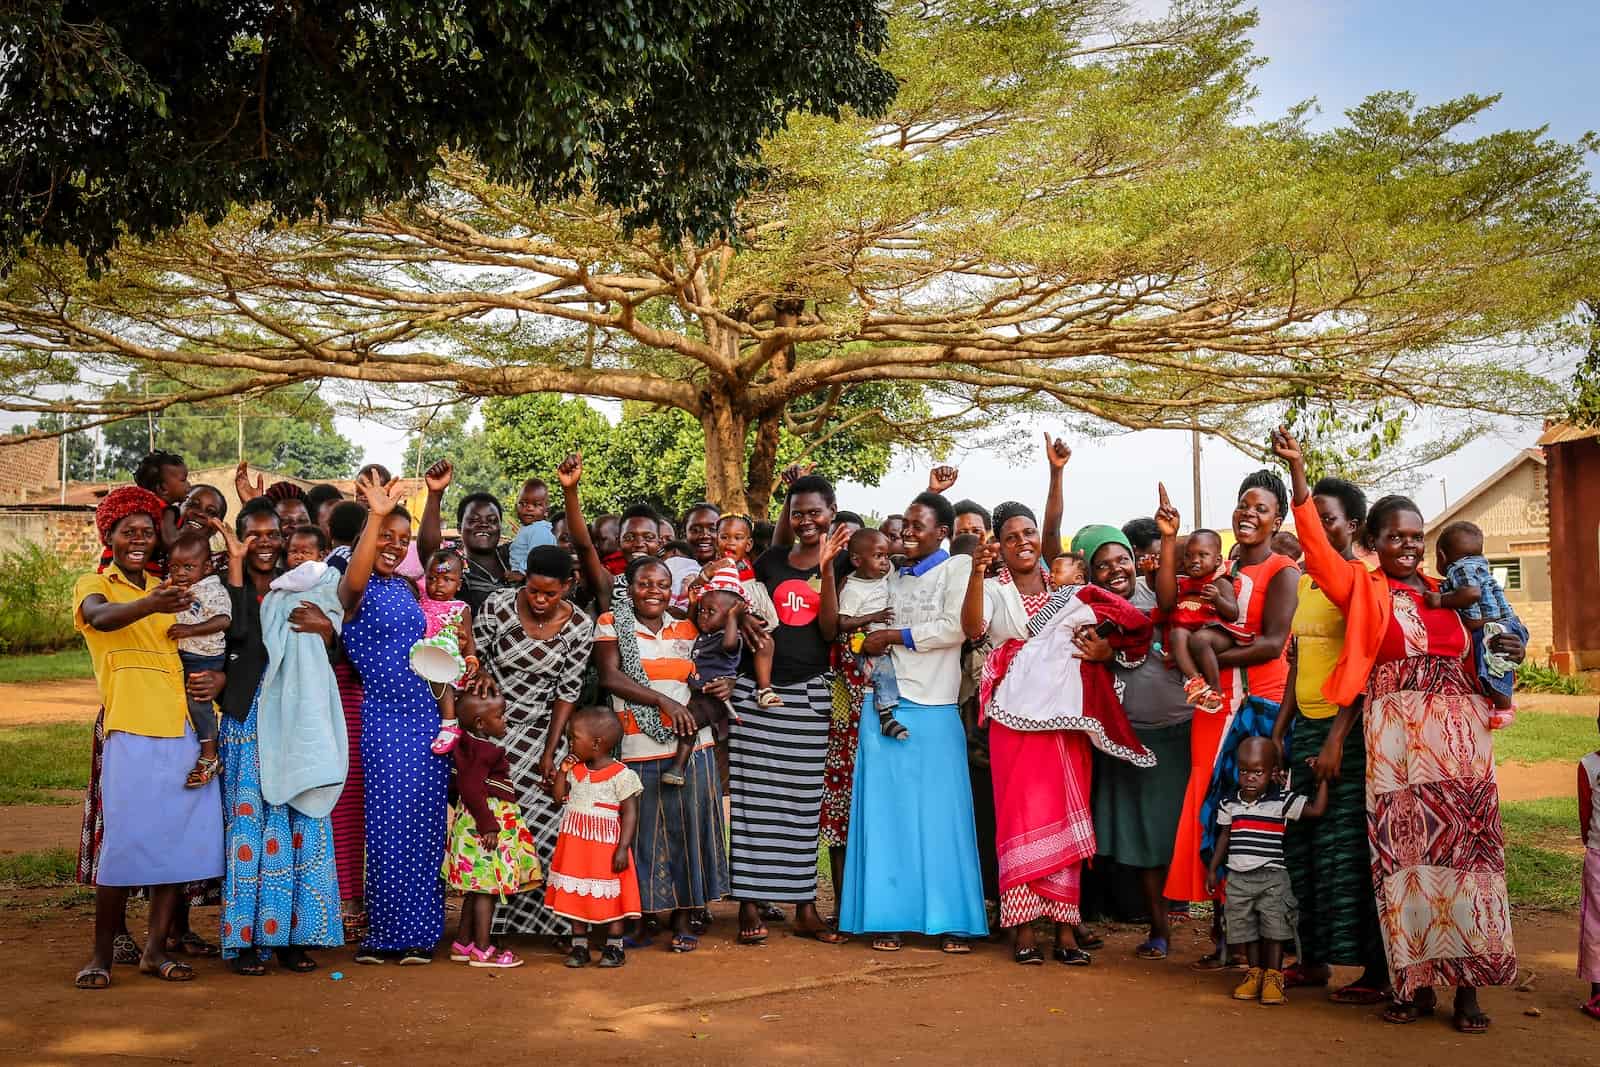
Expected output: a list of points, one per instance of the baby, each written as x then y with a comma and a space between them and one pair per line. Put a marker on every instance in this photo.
1260, 905
201, 632
864, 607
1470, 590
1206, 600
307, 544
1068, 569
533, 513
715, 655
448, 626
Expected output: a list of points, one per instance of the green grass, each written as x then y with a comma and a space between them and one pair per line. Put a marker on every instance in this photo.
1538, 736
1535, 678
52, 867
46, 666
37, 758
1544, 854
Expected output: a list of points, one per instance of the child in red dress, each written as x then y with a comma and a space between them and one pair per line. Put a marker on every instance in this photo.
592, 880
1206, 604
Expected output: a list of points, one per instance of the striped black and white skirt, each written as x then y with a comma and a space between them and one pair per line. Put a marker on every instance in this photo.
775, 764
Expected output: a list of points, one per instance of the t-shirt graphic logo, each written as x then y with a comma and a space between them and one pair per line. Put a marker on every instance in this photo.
797, 603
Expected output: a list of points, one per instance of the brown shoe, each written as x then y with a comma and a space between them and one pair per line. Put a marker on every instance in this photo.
1250, 988
1272, 993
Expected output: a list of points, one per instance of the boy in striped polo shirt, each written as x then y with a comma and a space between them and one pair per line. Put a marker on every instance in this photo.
1259, 910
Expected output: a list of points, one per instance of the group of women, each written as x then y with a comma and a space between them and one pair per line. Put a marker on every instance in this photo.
1092, 747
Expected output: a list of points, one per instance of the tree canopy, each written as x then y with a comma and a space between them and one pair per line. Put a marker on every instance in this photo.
1067, 208
129, 116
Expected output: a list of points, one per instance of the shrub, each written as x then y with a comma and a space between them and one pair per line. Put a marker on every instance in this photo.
36, 600
1536, 678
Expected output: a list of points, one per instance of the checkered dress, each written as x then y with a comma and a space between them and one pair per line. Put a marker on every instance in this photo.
533, 675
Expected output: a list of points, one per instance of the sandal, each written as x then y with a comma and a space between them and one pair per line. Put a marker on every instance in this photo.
1153, 949
1477, 1023
125, 950
771, 912
756, 936
460, 953
498, 959
684, 943
1028, 956
951, 945
192, 944
1072, 957
826, 935
1402, 1013
92, 977
204, 770
1591, 1007
887, 943
247, 966
1294, 977
768, 698
1087, 938
1362, 996
296, 961
170, 971
449, 733
700, 920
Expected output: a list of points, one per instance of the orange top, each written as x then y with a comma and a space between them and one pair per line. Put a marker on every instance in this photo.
1265, 680
1362, 595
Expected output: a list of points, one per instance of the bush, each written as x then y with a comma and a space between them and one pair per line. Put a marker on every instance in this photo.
1535, 678
36, 600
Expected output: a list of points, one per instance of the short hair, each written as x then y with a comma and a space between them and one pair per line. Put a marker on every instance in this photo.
535, 483
319, 495
1141, 532
1203, 532
1264, 743
1381, 513
635, 565
377, 468
549, 561
813, 483
1286, 543
1009, 510
474, 499
470, 704
603, 722
1349, 495
965, 545
704, 505
222, 512
281, 491
1461, 538
891, 518
936, 503
850, 517
861, 540
749, 523
683, 548
445, 555
346, 520
640, 510
189, 539
312, 530
255, 506
147, 475
1265, 479
972, 507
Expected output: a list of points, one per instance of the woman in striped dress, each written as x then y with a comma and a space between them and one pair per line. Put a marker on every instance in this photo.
776, 754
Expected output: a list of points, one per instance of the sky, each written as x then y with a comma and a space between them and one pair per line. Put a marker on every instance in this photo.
1540, 56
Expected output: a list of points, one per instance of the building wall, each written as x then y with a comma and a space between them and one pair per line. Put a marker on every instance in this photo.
1574, 475
27, 467
65, 529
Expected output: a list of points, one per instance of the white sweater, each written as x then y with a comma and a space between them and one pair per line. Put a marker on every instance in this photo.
927, 608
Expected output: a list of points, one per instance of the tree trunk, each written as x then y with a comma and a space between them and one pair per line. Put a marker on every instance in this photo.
724, 428
769, 428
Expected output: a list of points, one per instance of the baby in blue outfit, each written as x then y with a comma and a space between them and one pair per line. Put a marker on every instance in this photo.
533, 509
1471, 590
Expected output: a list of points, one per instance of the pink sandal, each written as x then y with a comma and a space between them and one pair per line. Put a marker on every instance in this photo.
449, 734
499, 959
460, 953
1591, 1007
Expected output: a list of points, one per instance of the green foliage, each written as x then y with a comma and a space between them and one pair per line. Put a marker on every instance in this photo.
33, 870
446, 435
66, 665
128, 117
36, 600
1541, 678
1541, 736
1583, 406
37, 759
1544, 853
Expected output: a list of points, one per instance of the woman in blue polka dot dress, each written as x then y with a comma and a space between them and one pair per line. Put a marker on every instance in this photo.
405, 782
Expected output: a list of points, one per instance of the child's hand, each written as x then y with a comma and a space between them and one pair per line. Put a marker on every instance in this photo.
1211, 883
178, 631
1208, 593
1056, 451
1433, 598
571, 471
490, 838
619, 859
941, 478
881, 615
438, 476
1167, 518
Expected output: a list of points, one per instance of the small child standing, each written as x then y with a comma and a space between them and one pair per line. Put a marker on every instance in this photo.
592, 878
864, 607
1471, 591
716, 654
491, 853
449, 627
1259, 911
1589, 915
1206, 603
533, 513
201, 632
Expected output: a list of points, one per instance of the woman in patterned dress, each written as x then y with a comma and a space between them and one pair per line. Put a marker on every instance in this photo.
535, 644
1433, 807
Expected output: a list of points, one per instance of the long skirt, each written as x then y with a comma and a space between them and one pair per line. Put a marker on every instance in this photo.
155, 831
1186, 877
775, 769
1589, 918
349, 814
678, 848
1433, 822
407, 823
912, 860
527, 728
1330, 866
1136, 809
1044, 829
839, 768
281, 886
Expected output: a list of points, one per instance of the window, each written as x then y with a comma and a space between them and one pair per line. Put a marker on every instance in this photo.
1508, 572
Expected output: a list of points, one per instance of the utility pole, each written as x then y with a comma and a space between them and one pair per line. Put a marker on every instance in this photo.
150, 417
65, 440
1194, 451
241, 429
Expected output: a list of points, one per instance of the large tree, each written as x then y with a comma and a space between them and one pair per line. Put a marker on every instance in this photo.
126, 117
1066, 208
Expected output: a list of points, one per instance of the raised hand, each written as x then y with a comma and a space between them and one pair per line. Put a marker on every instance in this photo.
1286, 448
941, 478
241, 482
984, 555
570, 471
438, 476
235, 549
794, 472
1167, 517
381, 499
832, 545
1056, 451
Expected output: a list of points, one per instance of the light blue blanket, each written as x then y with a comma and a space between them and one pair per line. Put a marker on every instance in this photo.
304, 750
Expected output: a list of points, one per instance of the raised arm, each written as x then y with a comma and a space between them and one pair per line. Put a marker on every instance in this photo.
827, 552
381, 501
783, 532
430, 531
1334, 575
595, 575
1057, 453
973, 608
1167, 520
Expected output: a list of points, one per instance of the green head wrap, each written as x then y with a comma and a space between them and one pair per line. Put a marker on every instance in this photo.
1094, 537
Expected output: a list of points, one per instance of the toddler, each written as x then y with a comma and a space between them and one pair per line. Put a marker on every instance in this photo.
491, 853
1206, 601
864, 607
715, 655
1470, 590
307, 544
1589, 917
449, 625
736, 545
1068, 569
1259, 911
201, 634
592, 879
533, 513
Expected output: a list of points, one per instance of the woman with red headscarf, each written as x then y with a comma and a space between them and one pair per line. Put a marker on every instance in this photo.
157, 832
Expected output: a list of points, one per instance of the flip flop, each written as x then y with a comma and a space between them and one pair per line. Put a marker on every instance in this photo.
170, 971
92, 977
824, 934
1153, 949
955, 946
192, 944
1361, 996
757, 936
772, 913
1090, 942
1471, 1024
296, 961
125, 950
1294, 977
684, 943
247, 966
887, 943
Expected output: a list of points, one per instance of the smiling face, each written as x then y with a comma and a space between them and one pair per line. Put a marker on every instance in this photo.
700, 530
922, 533
651, 589
200, 507
542, 593
640, 536
480, 528
1019, 544
394, 537
132, 540
1399, 544
292, 513
1202, 555
1341, 531
268, 546
1256, 517
444, 578
734, 539
533, 505
810, 515
1113, 568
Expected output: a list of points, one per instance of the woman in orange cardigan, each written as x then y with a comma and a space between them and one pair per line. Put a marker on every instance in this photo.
1433, 809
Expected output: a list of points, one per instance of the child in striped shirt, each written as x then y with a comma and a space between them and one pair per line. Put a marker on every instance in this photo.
1260, 906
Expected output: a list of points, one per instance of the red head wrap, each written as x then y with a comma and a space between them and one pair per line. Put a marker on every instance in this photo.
122, 502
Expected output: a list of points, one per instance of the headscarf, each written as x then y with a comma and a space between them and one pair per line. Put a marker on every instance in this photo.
124, 501
1094, 537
